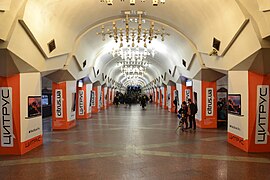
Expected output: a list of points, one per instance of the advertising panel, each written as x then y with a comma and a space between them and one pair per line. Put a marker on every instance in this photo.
81, 102
209, 102
262, 114
92, 98
6, 117
58, 103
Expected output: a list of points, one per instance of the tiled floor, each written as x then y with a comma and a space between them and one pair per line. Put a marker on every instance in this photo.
129, 143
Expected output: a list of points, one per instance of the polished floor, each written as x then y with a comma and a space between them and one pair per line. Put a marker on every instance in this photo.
130, 143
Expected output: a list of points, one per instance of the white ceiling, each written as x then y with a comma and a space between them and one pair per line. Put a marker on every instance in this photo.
192, 24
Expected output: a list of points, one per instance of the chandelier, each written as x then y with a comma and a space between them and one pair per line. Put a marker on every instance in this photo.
133, 54
132, 2
130, 34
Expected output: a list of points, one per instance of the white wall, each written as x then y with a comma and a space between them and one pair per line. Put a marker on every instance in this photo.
30, 85
238, 84
71, 88
7, 18
197, 87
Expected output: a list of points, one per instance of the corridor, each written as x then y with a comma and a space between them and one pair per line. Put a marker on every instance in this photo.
129, 143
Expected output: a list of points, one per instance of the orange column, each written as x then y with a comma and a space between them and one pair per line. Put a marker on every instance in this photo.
81, 105
95, 107
258, 120
59, 108
209, 105
10, 118
165, 98
102, 99
11, 93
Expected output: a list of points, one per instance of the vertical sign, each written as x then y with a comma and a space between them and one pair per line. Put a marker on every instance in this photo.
58, 103
187, 94
93, 96
262, 114
209, 101
81, 102
6, 117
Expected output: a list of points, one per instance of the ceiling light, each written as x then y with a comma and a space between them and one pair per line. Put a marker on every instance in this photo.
132, 35
133, 2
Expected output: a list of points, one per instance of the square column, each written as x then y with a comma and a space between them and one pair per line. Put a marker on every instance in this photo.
161, 96
84, 109
95, 108
206, 100
156, 96
165, 98
20, 115
249, 130
64, 105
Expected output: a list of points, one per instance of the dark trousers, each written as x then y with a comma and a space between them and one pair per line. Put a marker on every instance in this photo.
192, 122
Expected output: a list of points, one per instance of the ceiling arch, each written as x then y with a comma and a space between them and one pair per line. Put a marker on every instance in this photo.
192, 26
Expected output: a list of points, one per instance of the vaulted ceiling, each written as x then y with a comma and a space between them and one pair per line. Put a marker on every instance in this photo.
192, 25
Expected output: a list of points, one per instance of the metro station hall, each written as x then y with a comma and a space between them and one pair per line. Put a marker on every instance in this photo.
134, 89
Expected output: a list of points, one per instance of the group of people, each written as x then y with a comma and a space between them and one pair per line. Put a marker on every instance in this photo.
186, 114
129, 99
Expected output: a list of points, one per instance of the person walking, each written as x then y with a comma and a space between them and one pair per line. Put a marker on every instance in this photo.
192, 110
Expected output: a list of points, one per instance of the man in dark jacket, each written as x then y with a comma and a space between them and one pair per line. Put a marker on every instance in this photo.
192, 110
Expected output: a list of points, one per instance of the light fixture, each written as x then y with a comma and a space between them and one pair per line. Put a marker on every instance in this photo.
134, 54
133, 2
128, 33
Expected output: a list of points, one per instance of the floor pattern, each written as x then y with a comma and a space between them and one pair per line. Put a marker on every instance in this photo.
130, 143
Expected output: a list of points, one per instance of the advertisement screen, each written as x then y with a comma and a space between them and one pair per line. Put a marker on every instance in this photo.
34, 106
234, 104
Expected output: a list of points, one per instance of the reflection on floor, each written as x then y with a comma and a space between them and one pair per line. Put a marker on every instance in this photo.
130, 143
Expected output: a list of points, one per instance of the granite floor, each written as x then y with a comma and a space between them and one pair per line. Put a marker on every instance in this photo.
131, 143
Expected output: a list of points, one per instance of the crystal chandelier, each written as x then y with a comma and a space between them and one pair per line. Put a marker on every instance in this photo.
130, 34
132, 2
133, 54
